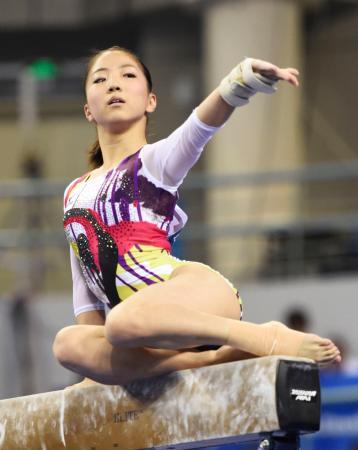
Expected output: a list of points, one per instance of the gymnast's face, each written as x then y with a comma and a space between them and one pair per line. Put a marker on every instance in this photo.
117, 92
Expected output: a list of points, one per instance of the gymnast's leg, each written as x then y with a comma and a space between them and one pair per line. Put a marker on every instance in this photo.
85, 350
196, 306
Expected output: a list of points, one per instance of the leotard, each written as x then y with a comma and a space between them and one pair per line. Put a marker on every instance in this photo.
120, 224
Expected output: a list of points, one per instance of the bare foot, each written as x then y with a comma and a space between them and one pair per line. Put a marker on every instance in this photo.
295, 343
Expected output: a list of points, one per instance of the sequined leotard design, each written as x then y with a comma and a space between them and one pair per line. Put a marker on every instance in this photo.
119, 224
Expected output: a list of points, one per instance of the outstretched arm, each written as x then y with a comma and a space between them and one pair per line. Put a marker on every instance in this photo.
249, 77
170, 159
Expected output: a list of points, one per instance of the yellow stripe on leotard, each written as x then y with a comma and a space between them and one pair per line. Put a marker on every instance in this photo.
156, 265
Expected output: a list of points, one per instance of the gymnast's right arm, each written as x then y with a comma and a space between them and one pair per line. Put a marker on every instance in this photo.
87, 308
91, 318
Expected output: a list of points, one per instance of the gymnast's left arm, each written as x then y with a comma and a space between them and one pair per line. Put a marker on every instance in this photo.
246, 79
170, 159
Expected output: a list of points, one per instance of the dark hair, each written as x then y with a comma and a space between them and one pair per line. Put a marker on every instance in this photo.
95, 157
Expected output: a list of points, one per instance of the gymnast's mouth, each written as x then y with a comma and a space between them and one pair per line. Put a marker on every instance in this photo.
113, 100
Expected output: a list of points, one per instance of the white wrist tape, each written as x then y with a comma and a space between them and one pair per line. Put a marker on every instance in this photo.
242, 83
255, 80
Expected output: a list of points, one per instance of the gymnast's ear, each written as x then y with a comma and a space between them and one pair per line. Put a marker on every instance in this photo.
152, 103
88, 113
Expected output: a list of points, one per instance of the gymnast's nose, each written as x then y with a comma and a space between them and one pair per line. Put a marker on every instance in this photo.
113, 87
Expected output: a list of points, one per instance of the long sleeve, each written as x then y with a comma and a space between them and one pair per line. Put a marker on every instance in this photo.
170, 159
83, 299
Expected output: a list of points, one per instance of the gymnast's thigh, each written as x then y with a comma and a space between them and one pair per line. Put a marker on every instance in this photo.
193, 285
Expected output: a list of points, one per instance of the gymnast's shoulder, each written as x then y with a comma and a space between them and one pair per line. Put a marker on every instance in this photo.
70, 188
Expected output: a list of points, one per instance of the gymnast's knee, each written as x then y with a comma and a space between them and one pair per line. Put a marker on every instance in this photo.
65, 344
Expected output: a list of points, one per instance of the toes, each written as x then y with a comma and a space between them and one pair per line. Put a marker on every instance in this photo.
329, 348
326, 342
331, 351
331, 362
330, 356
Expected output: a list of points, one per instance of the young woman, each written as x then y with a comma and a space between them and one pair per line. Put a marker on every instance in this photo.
118, 220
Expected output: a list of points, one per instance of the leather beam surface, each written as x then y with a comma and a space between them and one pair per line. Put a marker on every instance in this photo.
185, 409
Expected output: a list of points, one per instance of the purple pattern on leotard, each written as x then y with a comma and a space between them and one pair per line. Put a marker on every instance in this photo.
160, 201
112, 196
122, 189
126, 267
97, 203
136, 193
103, 196
126, 284
124, 209
144, 268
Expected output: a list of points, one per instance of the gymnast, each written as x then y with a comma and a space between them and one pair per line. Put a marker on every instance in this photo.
165, 314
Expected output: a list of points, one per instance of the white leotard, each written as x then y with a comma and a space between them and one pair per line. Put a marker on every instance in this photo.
164, 165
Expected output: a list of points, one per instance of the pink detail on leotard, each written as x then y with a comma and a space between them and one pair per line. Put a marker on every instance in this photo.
125, 234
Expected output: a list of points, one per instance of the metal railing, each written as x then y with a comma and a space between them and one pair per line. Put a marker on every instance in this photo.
322, 242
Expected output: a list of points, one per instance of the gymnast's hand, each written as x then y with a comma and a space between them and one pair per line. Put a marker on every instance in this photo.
251, 76
275, 73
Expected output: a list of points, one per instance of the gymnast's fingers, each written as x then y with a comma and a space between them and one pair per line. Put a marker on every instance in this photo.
290, 75
276, 73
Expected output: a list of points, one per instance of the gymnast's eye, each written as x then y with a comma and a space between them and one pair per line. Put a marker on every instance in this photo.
130, 75
99, 80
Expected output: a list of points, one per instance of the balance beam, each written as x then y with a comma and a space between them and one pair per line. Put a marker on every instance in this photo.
261, 401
